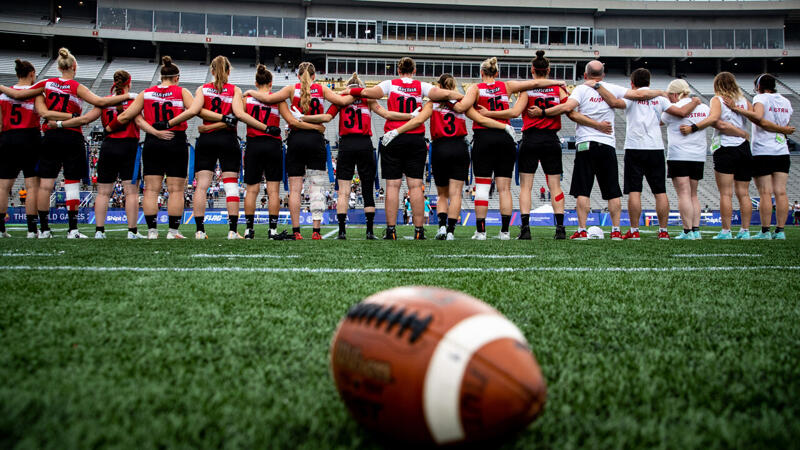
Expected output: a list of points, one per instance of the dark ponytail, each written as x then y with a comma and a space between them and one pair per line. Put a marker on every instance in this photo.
121, 80
540, 64
263, 76
23, 68
168, 69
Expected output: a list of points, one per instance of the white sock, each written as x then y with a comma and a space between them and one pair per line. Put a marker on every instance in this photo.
581, 229
613, 229
726, 231
634, 230
744, 230
662, 230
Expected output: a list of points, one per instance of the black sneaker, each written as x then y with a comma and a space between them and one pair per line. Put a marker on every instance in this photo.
342, 236
524, 234
561, 233
390, 235
419, 235
249, 233
282, 236
371, 236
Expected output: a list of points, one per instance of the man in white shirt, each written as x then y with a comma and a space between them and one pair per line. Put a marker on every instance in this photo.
596, 156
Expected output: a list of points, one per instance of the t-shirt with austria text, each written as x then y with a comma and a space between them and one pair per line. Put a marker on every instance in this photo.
643, 118
592, 105
691, 147
777, 110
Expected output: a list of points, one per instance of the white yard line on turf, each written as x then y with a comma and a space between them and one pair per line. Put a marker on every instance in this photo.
232, 255
330, 233
485, 256
716, 255
318, 270
32, 253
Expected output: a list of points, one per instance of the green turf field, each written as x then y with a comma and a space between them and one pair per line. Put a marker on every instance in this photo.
143, 344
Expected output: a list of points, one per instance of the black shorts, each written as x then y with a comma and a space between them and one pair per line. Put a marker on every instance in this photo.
449, 160
736, 160
769, 164
355, 150
405, 155
691, 169
63, 148
170, 158
117, 159
305, 149
219, 145
493, 152
644, 164
600, 161
263, 158
19, 151
540, 146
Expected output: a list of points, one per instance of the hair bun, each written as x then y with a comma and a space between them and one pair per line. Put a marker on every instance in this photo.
166, 61
18, 62
261, 68
540, 53
63, 52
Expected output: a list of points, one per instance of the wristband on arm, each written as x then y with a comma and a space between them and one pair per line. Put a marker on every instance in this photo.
115, 124
695, 128
356, 92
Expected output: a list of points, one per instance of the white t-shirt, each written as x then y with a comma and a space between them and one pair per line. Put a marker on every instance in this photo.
732, 118
592, 105
777, 110
685, 148
386, 86
643, 117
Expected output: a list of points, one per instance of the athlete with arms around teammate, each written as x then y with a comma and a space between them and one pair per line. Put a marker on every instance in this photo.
60, 99
19, 146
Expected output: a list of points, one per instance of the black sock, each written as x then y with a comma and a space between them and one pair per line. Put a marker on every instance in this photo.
43, 218
370, 220
451, 225
480, 224
390, 227
100, 229
504, 222
526, 220
199, 223
233, 223
73, 220
315, 230
295, 229
419, 230
174, 222
151, 222
3, 222
778, 229
686, 230
251, 220
133, 230
273, 222
442, 219
765, 229
31, 218
695, 228
559, 220
342, 218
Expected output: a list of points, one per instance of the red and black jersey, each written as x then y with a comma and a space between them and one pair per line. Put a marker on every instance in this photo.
354, 118
220, 102
317, 105
264, 113
18, 114
110, 113
493, 97
164, 103
62, 95
447, 123
405, 95
546, 97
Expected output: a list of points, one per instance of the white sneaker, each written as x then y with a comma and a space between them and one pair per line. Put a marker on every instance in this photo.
76, 234
152, 233
504, 236
4, 234
200, 235
175, 234
234, 235
33, 234
45, 234
99, 235
450, 237
137, 235
440, 235
479, 236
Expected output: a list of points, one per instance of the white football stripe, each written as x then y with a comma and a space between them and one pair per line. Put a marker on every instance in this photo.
446, 371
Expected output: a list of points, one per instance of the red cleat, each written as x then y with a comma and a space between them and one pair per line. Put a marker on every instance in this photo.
316, 236
580, 236
616, 236
663, 236
298, 236
634, 236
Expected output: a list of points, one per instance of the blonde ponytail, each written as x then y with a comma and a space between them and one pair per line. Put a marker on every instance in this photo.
65, 59
489, 67
220, 68
355, 81
306, 70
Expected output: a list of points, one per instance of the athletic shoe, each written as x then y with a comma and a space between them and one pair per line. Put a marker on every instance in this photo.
33, 234
249, 233
723, 235
152, 233
561, 233
46, 234
616, 236
696, 235
99, 235
75, 234
342, 236
663, 236
779, 236
296, 236
234, 235
175, 234
685, 236
580, 236
371, 236
762, 235
137, 235
200, 235
632, 235
524, 234
419, 235
315, 236
450, 237
479, 236
282, 236
4, 234
441, 234
743, 235
504, 236
390, 235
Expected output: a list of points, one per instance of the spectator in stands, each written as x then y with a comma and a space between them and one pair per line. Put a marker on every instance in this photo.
23, 195
541, 193
796, 211
263, 202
